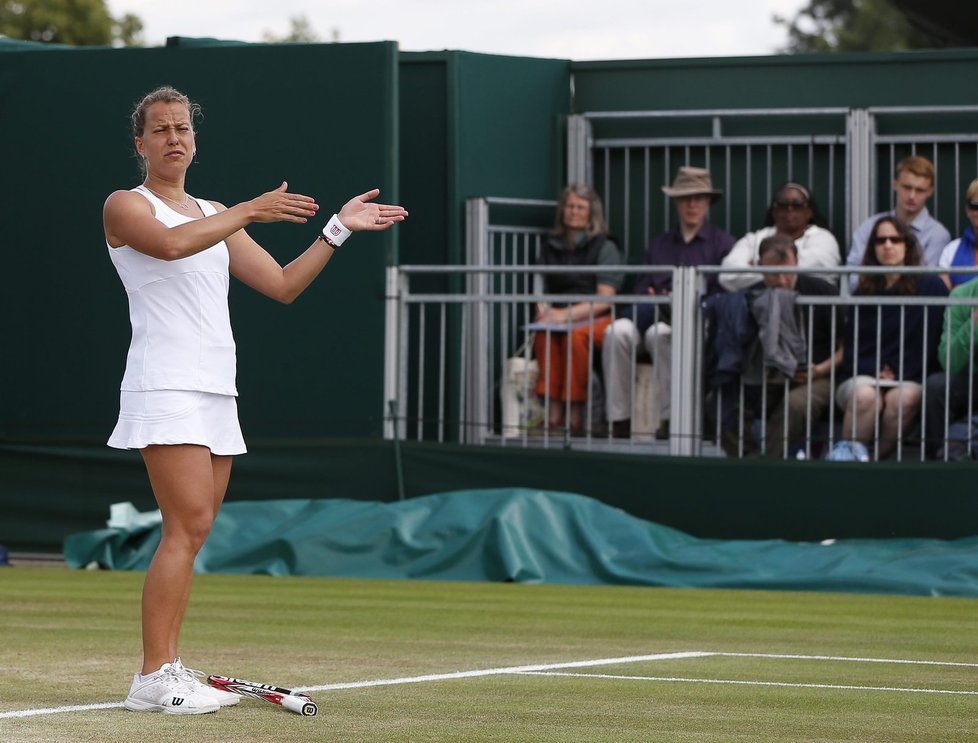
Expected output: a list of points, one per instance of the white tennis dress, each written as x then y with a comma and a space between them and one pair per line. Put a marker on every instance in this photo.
179, 384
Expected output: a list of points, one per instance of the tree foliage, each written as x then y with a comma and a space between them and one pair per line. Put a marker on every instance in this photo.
851, 26
73, 22
128, 30
301, 30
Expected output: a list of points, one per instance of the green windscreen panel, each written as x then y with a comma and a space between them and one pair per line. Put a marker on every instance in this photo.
48, 492
271, 113
511, 112
472, 125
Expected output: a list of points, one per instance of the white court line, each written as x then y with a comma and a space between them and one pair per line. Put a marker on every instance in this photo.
57, 710
746, 683
848, 659
541, 667
408, 680
505, 671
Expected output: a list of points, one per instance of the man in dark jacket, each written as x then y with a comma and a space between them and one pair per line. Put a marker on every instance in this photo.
809, 390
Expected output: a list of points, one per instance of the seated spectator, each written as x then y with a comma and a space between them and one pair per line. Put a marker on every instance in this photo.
950, 392
792, 213
884, 353
960, 253
757, 347
580, 238
810, 388
913, 184
694, 242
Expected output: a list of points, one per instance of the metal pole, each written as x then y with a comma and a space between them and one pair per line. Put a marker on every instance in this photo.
579, 136
686, 390
476, 377
392, 372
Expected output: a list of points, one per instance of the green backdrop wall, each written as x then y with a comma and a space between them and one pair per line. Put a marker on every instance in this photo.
806, 80
49, 492
270, 114
430, 130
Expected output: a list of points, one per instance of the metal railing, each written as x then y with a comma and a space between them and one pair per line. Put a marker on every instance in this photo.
446, 386
845, 156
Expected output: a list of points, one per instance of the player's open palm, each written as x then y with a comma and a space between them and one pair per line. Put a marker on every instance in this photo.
361, 213
280, 205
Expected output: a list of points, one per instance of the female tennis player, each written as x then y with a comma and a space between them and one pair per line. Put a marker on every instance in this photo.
174, 253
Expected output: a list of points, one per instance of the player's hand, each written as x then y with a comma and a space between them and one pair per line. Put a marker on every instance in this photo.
281, 206
360, 213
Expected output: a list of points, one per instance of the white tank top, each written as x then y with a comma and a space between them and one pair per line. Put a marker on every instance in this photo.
181, 331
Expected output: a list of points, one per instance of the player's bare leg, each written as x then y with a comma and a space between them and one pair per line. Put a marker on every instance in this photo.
183, 481
221, 470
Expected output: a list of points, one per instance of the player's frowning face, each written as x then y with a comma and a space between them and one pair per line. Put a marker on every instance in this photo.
168, 136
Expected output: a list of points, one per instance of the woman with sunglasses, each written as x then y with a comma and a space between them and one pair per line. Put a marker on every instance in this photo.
887, 349
960, 253
792, 213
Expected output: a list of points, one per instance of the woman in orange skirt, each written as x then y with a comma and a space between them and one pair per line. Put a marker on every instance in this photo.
580, 238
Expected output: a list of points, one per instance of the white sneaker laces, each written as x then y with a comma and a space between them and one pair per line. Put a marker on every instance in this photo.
187, 675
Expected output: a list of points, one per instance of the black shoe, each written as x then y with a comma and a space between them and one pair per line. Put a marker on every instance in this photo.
622, 429
731, 444
662, 432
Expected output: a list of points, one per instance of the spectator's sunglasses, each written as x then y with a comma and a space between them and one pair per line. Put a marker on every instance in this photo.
895, 239
790, 205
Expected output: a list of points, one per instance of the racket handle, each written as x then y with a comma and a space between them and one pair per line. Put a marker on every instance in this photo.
299, 705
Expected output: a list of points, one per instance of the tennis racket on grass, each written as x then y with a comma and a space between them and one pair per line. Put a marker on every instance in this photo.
292, 700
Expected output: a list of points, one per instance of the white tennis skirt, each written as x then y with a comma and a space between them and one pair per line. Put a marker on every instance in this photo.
178, 417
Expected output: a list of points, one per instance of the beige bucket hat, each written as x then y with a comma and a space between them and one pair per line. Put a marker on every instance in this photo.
692, 181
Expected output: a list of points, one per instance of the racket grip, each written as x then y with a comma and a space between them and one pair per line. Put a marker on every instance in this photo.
300, 705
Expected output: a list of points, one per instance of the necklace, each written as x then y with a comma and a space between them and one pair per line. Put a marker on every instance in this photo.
183, 205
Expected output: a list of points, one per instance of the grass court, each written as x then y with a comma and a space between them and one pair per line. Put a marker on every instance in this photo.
429, 661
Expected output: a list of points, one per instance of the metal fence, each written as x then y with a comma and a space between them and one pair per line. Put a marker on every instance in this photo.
846, 157
446, 354
492, 344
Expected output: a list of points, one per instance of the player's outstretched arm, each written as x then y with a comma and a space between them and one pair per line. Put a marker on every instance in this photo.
252, 265
129, 220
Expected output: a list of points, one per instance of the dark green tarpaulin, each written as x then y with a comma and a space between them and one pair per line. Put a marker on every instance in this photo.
533, 536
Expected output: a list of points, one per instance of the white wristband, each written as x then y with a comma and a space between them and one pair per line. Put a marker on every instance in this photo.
334, 232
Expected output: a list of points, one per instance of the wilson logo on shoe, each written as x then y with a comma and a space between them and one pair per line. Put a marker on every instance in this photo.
177, 701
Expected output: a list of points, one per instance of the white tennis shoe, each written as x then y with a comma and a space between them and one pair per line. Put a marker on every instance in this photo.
168, 690
223, 698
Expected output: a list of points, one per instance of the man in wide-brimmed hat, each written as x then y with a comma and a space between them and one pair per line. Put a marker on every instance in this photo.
693, 242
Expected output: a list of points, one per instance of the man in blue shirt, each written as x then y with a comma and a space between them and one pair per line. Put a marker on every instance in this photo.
913, 184
693, 242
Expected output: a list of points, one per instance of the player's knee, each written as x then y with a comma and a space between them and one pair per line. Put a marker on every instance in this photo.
193, 531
